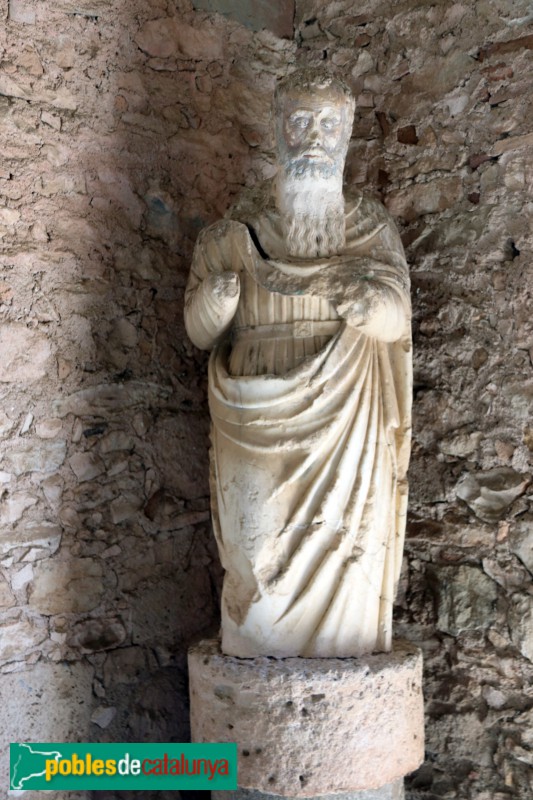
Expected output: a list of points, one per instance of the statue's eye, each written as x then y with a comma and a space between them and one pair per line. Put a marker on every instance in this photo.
329, 123
299, 122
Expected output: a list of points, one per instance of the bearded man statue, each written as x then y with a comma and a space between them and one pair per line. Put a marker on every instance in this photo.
302, 294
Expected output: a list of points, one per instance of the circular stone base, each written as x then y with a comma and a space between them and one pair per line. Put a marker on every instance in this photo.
392, 791
311, 726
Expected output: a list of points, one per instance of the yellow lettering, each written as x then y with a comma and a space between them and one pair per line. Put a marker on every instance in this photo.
110, 766
98, 767
50, 768
78, 765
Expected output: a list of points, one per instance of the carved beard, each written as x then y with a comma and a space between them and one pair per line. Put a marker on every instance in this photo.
311, 203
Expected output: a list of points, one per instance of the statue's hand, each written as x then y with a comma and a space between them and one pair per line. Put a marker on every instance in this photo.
374, 309
358, 303
223, 288
210, 308
221, 292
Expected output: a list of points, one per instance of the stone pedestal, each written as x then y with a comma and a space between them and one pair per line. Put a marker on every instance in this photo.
312, 726
392, 791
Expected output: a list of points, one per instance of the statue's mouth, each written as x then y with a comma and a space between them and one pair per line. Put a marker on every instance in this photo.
317, 153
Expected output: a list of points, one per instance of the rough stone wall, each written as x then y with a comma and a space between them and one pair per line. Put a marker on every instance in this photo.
128, 125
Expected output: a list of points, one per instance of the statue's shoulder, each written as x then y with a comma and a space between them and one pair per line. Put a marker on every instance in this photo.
233, 230
362, 205
219, 231
366, 216
253, 202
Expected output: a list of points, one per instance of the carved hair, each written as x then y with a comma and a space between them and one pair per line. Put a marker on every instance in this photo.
309, 80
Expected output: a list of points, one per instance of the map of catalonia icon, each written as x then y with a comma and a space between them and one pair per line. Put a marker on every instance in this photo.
28, 765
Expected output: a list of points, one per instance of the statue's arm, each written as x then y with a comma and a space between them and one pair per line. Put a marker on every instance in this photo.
377, 302
213, 289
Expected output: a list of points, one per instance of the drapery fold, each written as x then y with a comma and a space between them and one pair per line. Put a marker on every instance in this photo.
317, 450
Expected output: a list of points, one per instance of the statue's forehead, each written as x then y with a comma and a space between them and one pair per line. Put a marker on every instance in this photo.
319, 100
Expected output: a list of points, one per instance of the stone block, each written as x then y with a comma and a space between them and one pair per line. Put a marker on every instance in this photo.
19, 635
420, 199
169, 37
521, 540
86, 466
258, 14
36, 456
35, 540
6, 424
94, 635
521, 624
467, 599
124, 507
107, 398
14, 506
7, 598
92, 8
489, 494
509, 46
25, 353
310, 726
48, 428
21, 11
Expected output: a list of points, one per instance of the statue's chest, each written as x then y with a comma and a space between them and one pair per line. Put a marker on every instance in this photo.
260, 306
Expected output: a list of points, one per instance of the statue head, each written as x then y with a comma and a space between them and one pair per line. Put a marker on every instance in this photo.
314, 115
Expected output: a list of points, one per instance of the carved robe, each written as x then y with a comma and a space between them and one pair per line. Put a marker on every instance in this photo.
310, 434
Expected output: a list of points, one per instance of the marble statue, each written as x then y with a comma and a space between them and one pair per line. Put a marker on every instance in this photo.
302, 295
